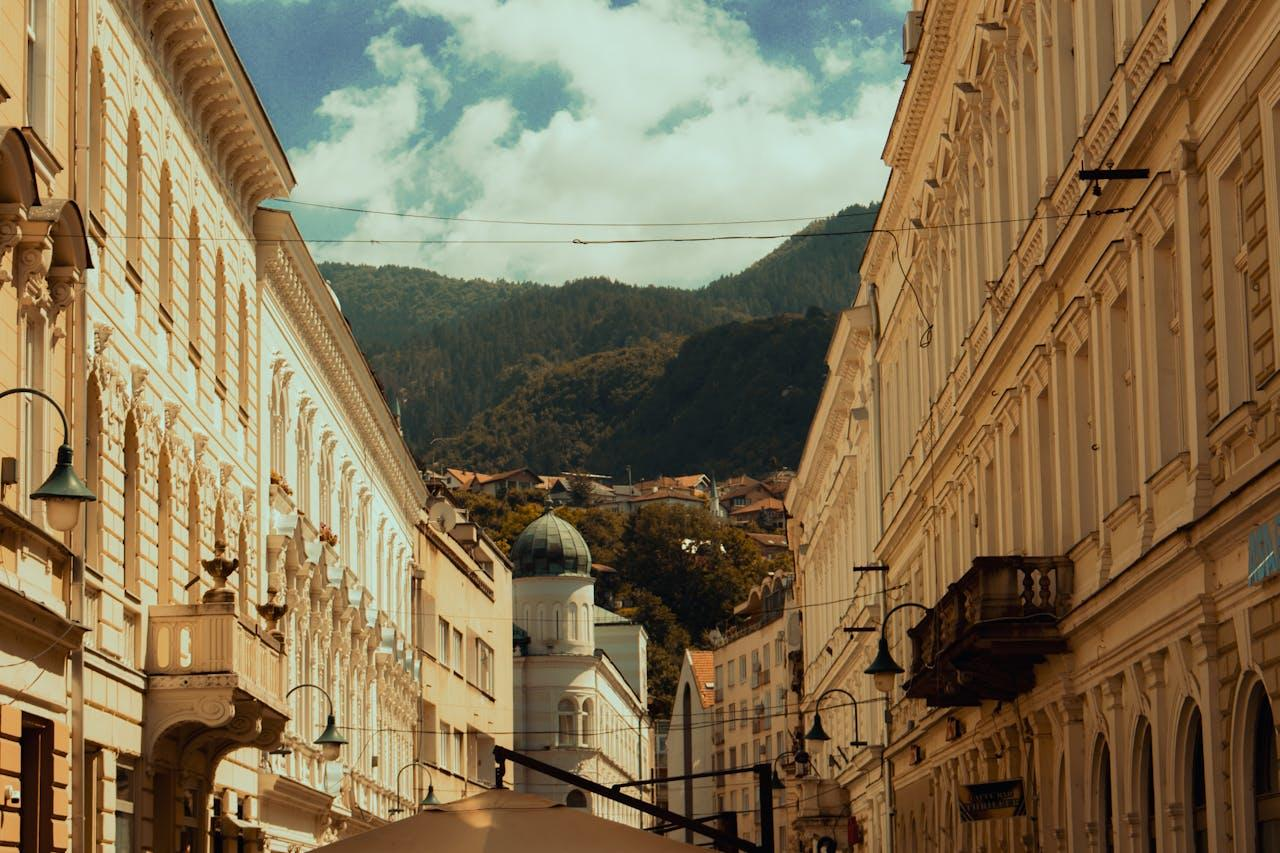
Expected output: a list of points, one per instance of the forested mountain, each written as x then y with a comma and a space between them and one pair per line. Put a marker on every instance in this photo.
463, 356
736, 398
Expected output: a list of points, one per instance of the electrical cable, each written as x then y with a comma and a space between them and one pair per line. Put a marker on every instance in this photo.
578, 241
711, 723
557, 224
461, 619
57, 641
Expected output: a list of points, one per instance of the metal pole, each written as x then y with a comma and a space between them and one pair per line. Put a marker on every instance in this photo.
764, 784
886, 766
501, 755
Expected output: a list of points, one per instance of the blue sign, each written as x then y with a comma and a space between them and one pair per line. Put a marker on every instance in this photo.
1263, 562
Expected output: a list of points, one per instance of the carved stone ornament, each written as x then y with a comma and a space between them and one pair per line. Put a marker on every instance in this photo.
63, 285
220, 567
10, 234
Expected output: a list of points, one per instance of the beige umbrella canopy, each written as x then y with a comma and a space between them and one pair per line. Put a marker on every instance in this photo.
500, 821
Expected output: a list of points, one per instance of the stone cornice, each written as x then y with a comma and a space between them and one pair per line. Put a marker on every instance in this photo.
192, 47
290, 276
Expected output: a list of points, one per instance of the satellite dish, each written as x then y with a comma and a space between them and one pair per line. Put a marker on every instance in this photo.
795, 631
443, 515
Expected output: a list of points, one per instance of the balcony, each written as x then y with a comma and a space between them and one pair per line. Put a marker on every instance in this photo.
215, 683
986, 635
191, 645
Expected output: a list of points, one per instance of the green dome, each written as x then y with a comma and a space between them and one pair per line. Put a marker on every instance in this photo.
550, 546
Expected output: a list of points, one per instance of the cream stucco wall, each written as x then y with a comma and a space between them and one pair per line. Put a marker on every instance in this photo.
1085, 376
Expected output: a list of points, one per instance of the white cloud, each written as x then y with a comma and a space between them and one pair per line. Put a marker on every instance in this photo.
875, 57
675, 116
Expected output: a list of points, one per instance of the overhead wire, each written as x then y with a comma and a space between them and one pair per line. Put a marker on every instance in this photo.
627, 729
463, 618
614, 241
405, 214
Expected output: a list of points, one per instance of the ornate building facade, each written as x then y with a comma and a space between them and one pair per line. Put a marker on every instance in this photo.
580, 682
259, 522
1049, 430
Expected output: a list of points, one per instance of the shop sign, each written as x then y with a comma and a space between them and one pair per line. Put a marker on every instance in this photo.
989, 800
1263, 562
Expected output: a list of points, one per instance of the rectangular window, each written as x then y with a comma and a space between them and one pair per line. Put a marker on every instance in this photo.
35, 814
126, 796
33, 463
446, 737
484, 667
442, 643
38, 45
455, 752
457, 651
732, 673
742, 668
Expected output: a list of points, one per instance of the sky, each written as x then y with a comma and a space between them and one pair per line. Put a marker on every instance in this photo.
600, 113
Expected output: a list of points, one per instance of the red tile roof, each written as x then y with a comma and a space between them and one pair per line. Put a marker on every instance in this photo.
703, 665
759, 506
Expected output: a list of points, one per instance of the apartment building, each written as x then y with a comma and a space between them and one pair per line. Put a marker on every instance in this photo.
731, 713
1045, 452
463, 598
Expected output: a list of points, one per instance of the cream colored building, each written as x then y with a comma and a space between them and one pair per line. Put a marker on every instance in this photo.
463, 597
731, 712
259, 522
1077, 475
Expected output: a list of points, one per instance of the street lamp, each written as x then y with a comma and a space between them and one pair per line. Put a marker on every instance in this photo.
63, 491
429, 800
799, 756
818, 733
884, 669
330, 740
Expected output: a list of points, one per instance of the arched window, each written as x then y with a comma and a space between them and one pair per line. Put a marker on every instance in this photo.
93, 474
568, 719
164, 528
525, 623
245, 571
97, 147
577, 800
1263, 773
1103, 808
195, 534
220, 322
540, 628
164, 242
555, 619
132, 474
244, 370
584, 632
1198, 819
362, 539
571, 621
195, 295
1145, 783
133, 195
588, 722
33, 413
